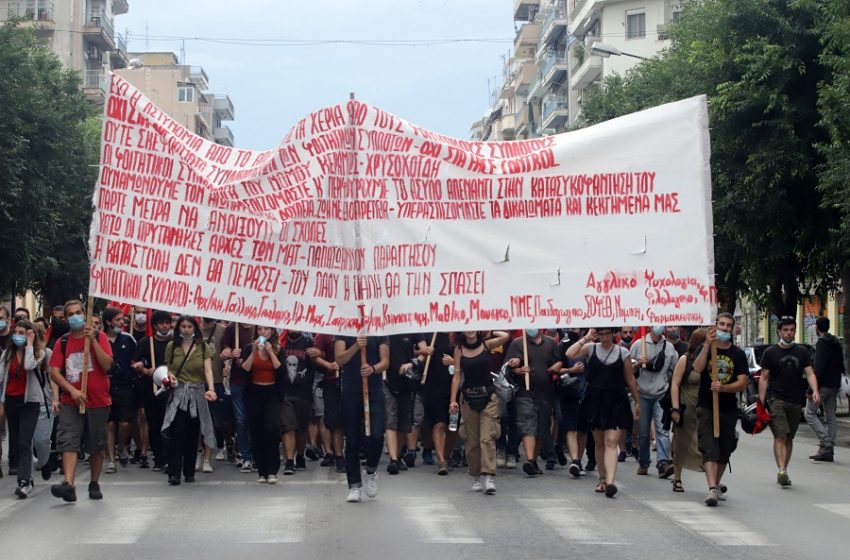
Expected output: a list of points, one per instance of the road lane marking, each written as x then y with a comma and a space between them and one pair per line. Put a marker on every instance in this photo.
710, 523
126, 522
440, 521
838, 509
573, 523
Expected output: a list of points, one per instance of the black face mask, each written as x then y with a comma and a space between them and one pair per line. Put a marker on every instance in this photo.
626, 339
57, 322
572, 336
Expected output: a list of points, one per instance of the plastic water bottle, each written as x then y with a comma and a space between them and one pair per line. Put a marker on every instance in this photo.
453, 420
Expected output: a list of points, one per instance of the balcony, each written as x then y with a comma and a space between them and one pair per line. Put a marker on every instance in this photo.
555, 111
527, 36
586, 73
223, 107
119, 57
35, 13
508, 72
508, 124
584, 14
223, 136
554, 27
524, 77
94, 85
99, 30
198, 77
524, 9
554, 68
120, 7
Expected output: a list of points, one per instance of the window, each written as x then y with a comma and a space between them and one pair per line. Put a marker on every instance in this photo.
186, 94
635, 24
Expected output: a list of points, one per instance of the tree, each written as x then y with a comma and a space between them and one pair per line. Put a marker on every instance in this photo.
48, 167
758, 63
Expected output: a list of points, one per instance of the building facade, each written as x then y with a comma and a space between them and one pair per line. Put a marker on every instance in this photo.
80, 32
180, 91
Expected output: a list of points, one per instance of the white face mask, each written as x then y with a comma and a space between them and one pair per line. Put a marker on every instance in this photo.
141, 318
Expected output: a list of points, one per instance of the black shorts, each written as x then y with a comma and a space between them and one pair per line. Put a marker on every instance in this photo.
398, 411
437, 408
221, 410
123, 405
716, 450
142, 392
295, 414
333, 410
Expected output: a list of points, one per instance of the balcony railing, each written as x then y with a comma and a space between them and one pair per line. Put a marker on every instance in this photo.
555, 16
551, 60
94, 80
34, 10
98, 19
224, 107
552, 103
121, 44
223, 135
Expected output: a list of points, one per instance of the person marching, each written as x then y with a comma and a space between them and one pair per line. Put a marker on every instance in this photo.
684, 395
829, 365
605, 409
354, 399
786, 369
438, 386
189, 362
322, 355
121, 387
480, 423
297, 407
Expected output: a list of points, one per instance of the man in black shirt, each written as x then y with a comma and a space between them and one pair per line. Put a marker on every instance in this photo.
674, 337
829, 365
732, 373
786, 368
399, 397
298, 398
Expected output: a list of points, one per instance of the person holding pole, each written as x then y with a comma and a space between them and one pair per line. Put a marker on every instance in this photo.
723, 370
81, 411
358, 411
437, 381
605, 409
534, 357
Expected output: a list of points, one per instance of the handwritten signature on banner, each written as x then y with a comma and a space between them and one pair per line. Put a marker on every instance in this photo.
362, 222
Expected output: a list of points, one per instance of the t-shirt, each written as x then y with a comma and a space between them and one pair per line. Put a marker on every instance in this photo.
296, 366
541, 357
98, 384
192, 371
143, 354
829, 361
787, 367
325, 343
439, 380
350, 378
123, 350
402, 347
16, 385
731, 362
247, 333
681, 347
497, 356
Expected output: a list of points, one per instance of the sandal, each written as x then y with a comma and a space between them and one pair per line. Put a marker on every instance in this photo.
600, 488
677, 486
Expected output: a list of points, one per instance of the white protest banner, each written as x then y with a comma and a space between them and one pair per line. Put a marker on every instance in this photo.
360, 222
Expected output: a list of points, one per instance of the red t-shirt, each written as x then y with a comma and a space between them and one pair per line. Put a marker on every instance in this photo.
98, 387
16, 384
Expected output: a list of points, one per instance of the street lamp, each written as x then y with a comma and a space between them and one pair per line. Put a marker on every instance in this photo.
605, 50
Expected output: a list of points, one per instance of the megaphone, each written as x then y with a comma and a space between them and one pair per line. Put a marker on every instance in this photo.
160, 377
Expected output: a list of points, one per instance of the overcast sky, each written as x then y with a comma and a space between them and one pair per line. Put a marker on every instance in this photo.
441, 87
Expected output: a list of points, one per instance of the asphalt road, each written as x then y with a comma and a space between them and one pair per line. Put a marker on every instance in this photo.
420, 515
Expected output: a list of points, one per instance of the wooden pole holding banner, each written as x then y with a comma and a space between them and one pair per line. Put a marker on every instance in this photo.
643, 349
525, 360
715, 397
365, 384
153, 363
84, 382
236, 330
428, 360
132, 320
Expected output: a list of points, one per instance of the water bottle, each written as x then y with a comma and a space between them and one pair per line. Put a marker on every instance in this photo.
453, 419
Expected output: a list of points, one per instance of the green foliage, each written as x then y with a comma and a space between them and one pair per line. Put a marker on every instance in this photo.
48, 158
758, 61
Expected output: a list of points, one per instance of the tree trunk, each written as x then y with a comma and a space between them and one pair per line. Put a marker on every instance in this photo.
845, 317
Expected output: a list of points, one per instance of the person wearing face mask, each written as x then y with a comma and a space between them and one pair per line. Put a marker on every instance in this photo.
673, 335
187, 414
535, 406
66, 370
626, 337
5, 327
22, 394
121, 387
786, 374
58, 326
732, 371
150, 409
655, 359
140, 316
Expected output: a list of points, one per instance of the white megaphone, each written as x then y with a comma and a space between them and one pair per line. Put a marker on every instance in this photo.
160, 377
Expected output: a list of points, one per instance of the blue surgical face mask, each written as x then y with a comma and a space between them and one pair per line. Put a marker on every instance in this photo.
3, 325
76, 322
19, 340
657, 331
117, 330
724, 336
187, 336
532, 332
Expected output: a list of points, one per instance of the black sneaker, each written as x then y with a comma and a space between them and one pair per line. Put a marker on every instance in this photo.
536, 467
46, 471
591, 465
189, 479
157, 466
621, 458
401, 465
65, 491
94, 491
137, 456
289, 467
311, 454
392, 468
327, 461
143, 462
300, 463
529, 469
550, 465
575, 469
340, 464
410, 459
24, 488
562, 457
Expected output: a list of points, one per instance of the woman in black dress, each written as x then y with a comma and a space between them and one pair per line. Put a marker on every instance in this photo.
605, 409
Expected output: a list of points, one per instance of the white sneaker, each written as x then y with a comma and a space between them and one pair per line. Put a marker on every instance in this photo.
500, 459
272, 479
110, 468
510, 462
246, 466
220, 456
207, 468
353, 495
262, 480
372, 485
489, 485
478, 486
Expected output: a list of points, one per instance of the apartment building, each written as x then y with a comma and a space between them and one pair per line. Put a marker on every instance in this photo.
181, 91
80, 32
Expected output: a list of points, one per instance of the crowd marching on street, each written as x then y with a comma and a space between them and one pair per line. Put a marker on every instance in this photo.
269, 401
